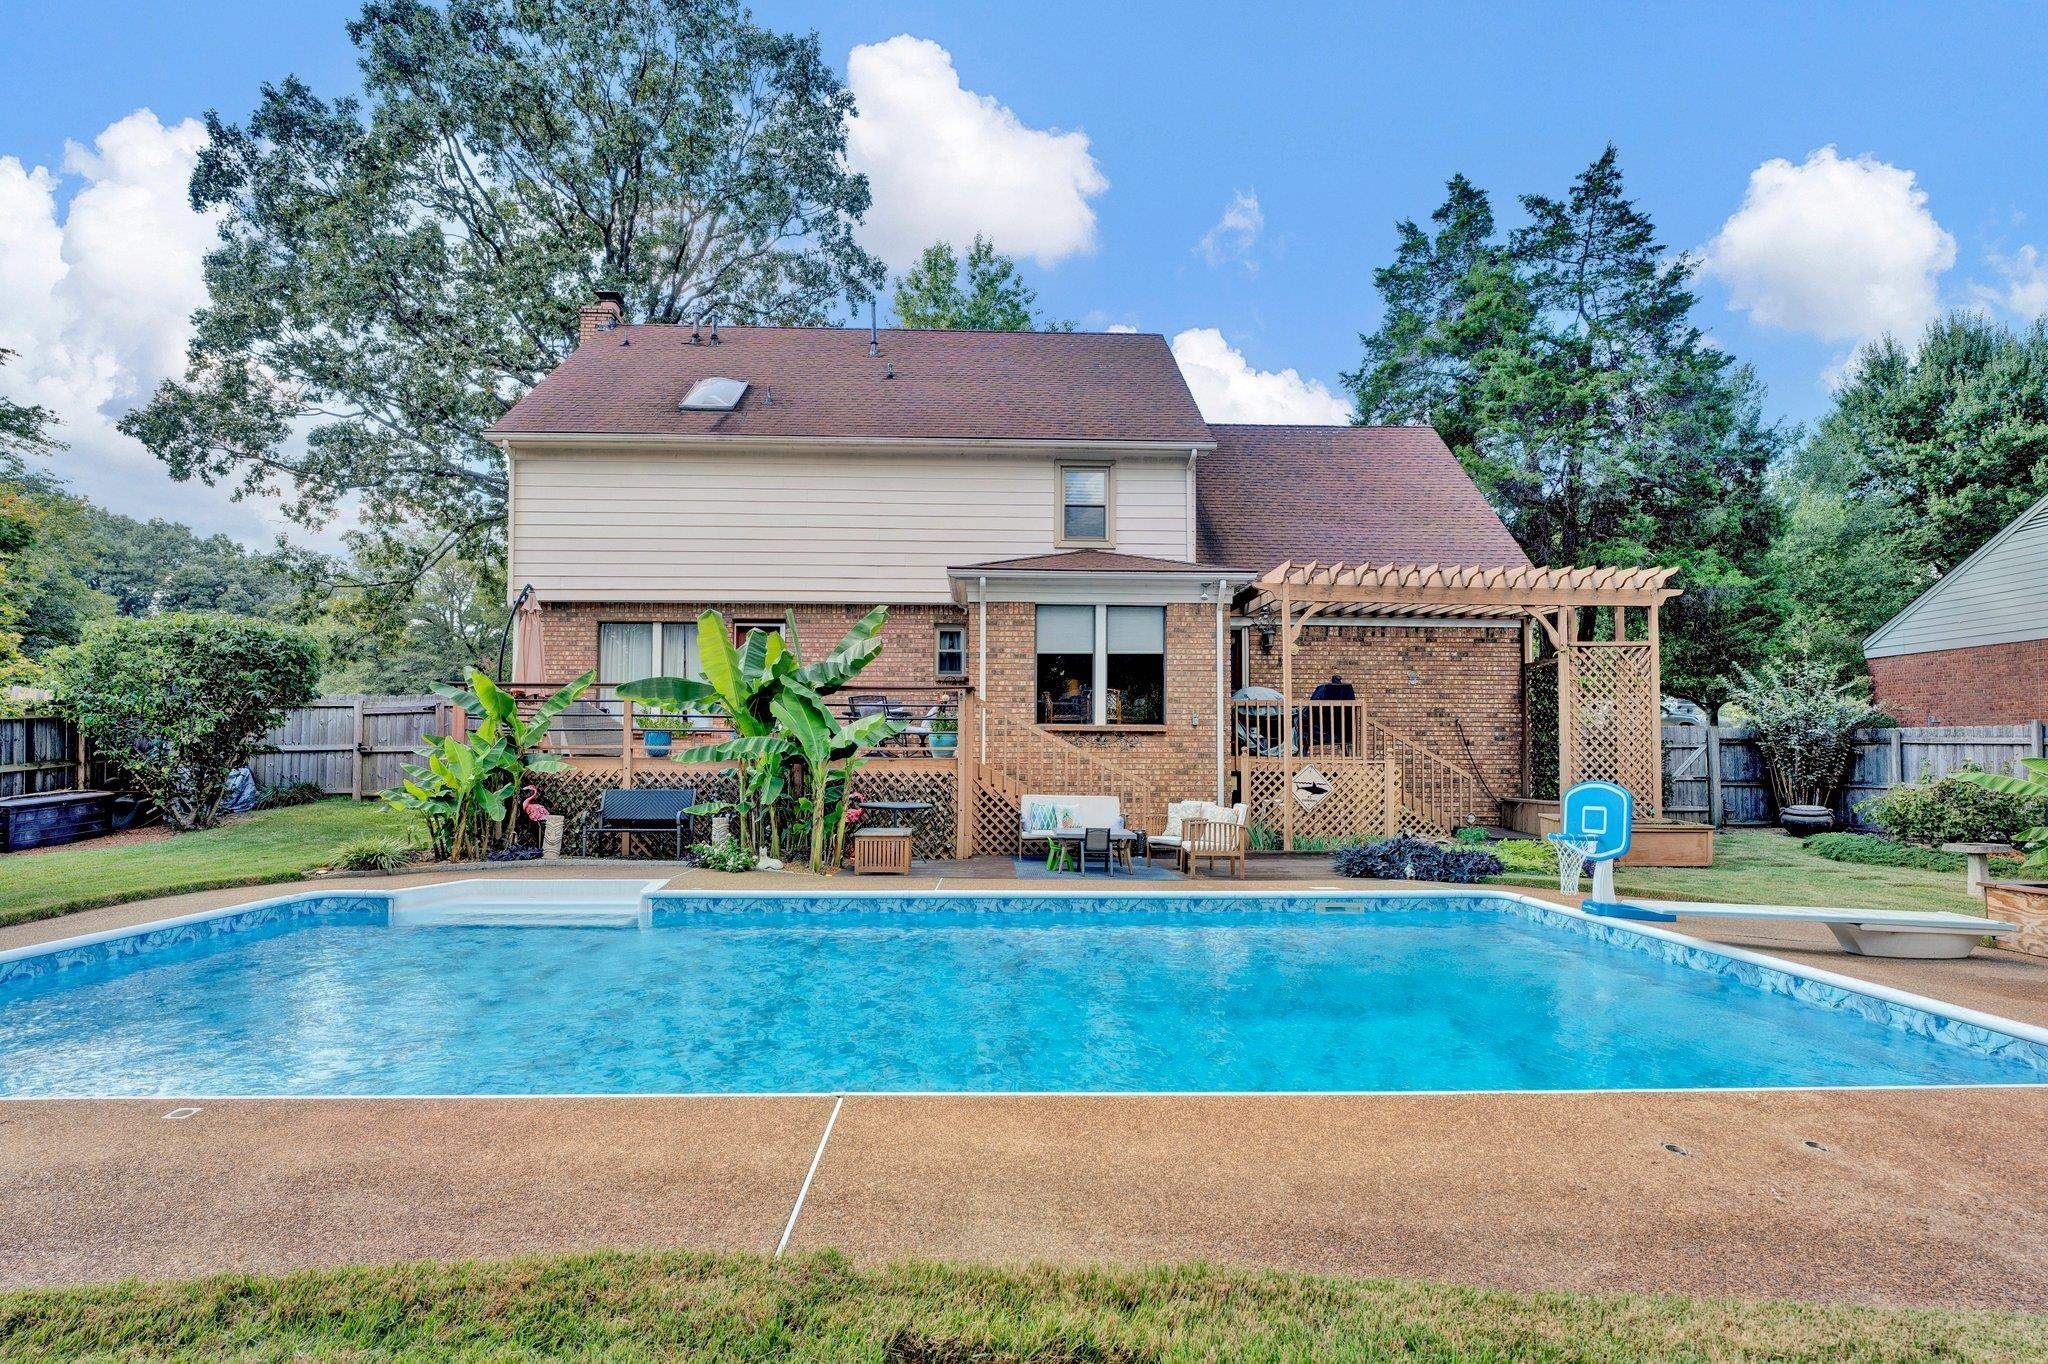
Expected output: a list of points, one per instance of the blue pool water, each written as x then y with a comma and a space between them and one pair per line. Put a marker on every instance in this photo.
1405, 994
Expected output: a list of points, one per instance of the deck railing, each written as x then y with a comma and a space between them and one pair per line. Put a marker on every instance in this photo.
604, 725
1437, 795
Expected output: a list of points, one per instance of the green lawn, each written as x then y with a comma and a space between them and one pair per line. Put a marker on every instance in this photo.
622, 1307
1765, 867
248, 850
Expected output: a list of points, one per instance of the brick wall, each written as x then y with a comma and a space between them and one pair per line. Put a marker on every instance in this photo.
1426, 683
1177, 759
908, 657
1991, 684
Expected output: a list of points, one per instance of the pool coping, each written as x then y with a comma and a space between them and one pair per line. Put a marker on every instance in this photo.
1597, 927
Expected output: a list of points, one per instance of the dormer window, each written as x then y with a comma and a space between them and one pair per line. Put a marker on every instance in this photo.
713, 395
1084, 504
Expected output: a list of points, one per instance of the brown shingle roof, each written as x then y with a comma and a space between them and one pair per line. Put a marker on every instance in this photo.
1094, 561
1357, 494
1076, 386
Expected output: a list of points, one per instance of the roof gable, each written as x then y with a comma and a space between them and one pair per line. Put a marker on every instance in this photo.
1353, 494
1999, 595
820, 382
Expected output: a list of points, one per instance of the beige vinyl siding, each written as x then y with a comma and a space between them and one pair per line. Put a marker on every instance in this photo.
615, 525
1999, 595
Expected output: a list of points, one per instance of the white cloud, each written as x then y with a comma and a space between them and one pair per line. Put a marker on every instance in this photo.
1124, 328
1227, 389
946, 163
2023, 284
1235, 233
98, 295
1841, 247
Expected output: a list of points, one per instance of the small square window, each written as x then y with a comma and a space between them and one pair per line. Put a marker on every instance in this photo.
1084, 502
952, 651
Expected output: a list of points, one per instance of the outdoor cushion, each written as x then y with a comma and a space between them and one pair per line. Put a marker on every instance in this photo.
1040, 815
1178, 810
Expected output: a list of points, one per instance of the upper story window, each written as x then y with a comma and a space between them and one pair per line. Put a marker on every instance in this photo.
952, 651
1084, 503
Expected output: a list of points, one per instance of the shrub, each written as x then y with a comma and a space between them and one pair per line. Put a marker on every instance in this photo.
1805, 722
1416, 859
730, 855
1471, 835
180, 701
376, 854
2032, 787
1952, 809
1526, 855
289, 793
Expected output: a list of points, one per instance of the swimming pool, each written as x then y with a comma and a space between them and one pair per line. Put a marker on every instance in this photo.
340, 994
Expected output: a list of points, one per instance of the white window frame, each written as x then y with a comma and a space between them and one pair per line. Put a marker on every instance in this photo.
1098, 716
659, 646
1059, 504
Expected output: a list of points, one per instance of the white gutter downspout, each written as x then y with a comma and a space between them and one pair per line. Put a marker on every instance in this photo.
1222, 680
981, 647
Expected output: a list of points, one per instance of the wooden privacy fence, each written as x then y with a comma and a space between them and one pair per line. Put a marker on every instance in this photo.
349, 745
1715, 774
39, 753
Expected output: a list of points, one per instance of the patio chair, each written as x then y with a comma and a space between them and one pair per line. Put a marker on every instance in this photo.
651, 813
1219, 840
1097, 842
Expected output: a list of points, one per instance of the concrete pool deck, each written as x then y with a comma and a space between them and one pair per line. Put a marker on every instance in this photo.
1931, 1197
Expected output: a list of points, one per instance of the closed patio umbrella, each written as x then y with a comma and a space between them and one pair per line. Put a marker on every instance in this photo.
529, 651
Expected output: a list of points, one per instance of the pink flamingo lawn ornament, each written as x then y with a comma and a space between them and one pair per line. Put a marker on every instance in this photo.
530, 806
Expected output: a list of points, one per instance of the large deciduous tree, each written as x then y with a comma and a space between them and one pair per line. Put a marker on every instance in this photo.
394, 271
981, 293
1927, 452
1562, 365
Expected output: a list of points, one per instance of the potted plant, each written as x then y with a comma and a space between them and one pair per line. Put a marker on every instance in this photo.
945, 728
2023, 902
1805, 720
655, 732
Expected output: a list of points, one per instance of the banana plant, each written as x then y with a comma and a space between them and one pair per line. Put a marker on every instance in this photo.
2034, 787
745, 684
828, 748
464, 790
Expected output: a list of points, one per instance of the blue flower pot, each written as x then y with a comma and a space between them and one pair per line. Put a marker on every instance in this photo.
657, 743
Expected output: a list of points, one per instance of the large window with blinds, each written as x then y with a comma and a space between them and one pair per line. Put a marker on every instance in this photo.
630, 650
1101, 665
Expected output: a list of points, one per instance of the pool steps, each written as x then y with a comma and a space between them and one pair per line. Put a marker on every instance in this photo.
522, 904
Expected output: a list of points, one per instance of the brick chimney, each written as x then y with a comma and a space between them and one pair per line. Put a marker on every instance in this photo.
601, 316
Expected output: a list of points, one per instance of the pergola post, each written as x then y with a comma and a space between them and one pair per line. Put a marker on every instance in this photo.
1286, 719
1567, 700
1656, 714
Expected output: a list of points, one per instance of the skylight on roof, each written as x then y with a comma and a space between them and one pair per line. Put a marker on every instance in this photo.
713, 395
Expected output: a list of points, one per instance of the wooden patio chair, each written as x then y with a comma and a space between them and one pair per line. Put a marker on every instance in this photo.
1219, 840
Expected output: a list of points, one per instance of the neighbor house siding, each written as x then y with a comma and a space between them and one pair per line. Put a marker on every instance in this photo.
1998, 595
618, 525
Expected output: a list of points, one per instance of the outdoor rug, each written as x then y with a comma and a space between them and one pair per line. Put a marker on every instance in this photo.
1033, 869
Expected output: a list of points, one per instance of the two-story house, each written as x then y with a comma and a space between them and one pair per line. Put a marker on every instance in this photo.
1048, 516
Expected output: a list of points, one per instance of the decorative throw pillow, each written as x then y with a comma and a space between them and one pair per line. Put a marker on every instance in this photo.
1180, 810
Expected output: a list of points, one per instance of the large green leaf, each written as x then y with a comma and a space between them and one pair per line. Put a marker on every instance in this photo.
671, 695
497, 703
745, 748
809, 724
722, 669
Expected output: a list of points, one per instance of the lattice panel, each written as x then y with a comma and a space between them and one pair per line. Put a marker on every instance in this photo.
1355, 809
1615, 721
997, 822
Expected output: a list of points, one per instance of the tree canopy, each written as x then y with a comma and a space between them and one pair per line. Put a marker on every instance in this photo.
395, 270
1562, 365
981, 293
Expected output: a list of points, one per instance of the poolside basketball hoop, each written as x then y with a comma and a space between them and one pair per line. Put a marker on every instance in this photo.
1596, 819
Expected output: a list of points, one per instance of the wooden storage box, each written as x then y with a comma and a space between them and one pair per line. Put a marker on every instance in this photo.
881, 852
53, 817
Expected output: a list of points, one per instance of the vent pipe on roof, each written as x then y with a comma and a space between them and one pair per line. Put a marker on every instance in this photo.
714, 331
874, 335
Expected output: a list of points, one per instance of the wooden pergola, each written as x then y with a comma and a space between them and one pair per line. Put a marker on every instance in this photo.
1602, 624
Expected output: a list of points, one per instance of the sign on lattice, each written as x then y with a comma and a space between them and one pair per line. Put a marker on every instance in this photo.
1359, 800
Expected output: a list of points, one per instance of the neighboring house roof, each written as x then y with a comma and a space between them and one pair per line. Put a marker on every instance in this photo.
1095, 561
1354, 494
1999, 595
805, 382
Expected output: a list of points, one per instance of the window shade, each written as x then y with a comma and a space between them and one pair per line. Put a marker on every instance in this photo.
625, 653
1066, 629
1137, 629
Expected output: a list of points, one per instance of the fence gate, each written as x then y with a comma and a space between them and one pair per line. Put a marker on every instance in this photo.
349, 745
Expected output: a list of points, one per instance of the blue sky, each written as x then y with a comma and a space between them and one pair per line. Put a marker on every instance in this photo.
1322, 124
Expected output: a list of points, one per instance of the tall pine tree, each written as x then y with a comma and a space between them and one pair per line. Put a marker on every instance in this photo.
1563, 367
